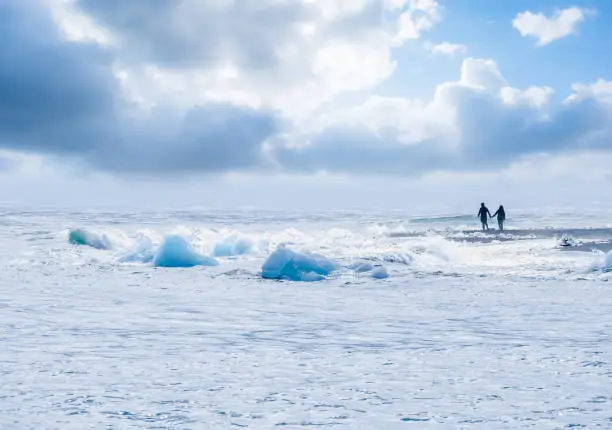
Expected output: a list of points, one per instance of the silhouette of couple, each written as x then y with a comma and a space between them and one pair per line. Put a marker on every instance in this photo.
500, 214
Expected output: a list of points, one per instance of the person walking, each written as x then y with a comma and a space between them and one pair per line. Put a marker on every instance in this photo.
482, 214
501, 217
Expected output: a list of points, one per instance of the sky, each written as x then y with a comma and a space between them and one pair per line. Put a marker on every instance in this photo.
305, 104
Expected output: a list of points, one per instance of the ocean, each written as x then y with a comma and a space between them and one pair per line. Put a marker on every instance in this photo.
466, 330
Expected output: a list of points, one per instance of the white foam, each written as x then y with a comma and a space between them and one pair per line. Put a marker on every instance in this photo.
233, 245
603, 262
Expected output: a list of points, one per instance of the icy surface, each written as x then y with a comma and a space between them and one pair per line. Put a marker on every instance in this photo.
471, 330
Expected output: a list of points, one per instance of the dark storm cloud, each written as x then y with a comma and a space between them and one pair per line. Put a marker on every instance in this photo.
212, 138
54, 96
58, 97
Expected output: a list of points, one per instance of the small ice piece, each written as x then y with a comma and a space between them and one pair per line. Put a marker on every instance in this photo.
233, 245
379, 272
361, 267
175, 251
285, 263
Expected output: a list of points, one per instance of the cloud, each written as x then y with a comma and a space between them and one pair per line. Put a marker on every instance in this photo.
294, 55
548, 29
135, 89
63, 98
534, 96
420, 17
178, 87
478, 122
447, 48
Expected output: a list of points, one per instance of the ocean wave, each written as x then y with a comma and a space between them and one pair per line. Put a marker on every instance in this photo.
461, 251
443, 219
603, 262
107, 240
479, 236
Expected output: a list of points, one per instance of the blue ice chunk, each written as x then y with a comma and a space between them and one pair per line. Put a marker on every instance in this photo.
285, 263
361, 267
233, 245
84, 237
313, 263
379, 272
175, 251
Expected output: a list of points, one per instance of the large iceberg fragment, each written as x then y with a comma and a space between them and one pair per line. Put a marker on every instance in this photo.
175, 251
285, 263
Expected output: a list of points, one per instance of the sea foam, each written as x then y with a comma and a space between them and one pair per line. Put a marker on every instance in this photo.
233, 245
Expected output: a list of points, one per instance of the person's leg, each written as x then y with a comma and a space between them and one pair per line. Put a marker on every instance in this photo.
501, 224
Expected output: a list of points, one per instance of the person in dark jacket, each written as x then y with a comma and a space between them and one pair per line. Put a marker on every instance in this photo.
482, 214
501, 216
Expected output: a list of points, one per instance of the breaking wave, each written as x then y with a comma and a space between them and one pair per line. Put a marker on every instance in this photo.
375, 250
603, 262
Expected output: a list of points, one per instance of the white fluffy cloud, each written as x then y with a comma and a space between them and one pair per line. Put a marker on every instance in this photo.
534, 96
477, 122
447, 48
550, 28
291, 55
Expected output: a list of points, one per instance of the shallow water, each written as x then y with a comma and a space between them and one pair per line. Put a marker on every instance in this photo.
463, 334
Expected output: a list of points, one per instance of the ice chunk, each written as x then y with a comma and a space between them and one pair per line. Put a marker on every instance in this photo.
285, 263
88, 238
233, 245
379, 272
361, 267
175, 251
